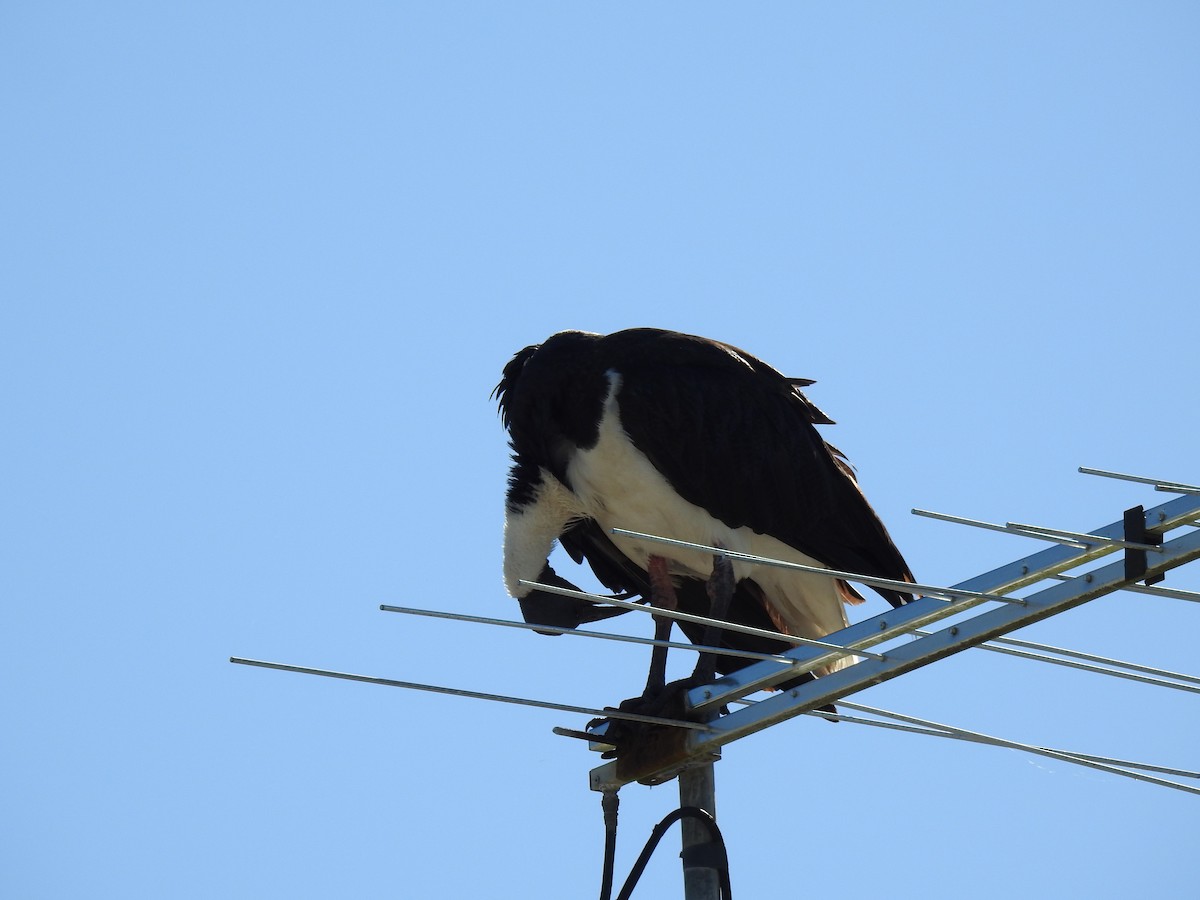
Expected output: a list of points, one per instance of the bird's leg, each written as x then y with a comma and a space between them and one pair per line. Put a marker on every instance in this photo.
660, 698
625, 735
720, 595
662, 596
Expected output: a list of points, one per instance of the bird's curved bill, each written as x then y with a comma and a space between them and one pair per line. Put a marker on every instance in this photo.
545, 608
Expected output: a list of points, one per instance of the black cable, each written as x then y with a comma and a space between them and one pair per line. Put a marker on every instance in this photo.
609, 803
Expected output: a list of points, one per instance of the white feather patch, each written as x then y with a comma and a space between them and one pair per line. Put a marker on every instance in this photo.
614, 483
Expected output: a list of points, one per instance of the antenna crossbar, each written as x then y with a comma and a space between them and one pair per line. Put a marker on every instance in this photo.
983, 626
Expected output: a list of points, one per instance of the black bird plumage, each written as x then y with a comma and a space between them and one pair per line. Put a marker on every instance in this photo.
604, 427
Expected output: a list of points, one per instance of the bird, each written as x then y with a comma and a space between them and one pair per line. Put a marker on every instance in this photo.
673, 434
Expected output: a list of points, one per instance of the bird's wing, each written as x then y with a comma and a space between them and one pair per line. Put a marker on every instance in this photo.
734, 436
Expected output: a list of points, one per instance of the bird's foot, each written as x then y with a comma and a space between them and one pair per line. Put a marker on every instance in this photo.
666, 702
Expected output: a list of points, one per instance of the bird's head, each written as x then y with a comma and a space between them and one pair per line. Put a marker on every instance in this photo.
545, 608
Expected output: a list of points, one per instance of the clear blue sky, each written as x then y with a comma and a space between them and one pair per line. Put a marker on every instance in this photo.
262, 264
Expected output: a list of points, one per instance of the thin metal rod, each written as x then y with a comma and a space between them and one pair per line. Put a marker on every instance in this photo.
476, 695
983, 739
1130, 764
1169, 593
1034, 530
1087, 667
1172, 487
875, 723
602, 635
1092, 657
1016, 745
1007, 529
1076, 539
906, 586
700, 620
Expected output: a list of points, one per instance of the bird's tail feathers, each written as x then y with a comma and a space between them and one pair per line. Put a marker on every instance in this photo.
849, 595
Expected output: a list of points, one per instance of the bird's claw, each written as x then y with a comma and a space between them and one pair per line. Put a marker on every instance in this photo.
666, 702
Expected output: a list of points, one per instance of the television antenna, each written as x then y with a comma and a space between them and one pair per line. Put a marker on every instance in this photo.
941, 622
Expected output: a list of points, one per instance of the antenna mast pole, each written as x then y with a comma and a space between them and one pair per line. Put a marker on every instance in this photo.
697, 787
